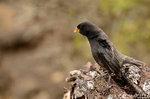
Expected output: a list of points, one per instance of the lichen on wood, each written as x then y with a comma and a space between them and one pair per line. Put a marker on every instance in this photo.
90, 83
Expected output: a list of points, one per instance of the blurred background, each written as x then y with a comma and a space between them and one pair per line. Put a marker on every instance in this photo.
38, 47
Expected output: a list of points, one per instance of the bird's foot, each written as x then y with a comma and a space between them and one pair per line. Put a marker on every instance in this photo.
106, 92
108, 86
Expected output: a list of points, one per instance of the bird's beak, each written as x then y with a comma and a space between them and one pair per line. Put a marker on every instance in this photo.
77, 30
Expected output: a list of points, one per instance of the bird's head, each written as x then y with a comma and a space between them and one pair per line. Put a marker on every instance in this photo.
87, 29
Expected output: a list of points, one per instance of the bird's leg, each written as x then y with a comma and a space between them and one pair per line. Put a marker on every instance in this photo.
108, 86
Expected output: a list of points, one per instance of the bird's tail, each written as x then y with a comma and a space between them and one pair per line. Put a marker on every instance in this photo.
129, 60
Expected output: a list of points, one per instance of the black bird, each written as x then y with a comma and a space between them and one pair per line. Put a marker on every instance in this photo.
103, 50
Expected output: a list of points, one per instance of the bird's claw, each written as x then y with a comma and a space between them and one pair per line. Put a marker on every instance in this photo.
108, 89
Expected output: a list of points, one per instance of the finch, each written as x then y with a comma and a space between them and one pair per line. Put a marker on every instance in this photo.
103, 50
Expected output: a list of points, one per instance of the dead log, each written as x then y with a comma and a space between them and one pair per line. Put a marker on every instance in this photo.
91, 83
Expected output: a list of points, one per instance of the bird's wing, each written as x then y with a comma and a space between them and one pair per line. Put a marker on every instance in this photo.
106, 54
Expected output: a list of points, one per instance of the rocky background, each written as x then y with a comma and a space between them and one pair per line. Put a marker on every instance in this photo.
38, 47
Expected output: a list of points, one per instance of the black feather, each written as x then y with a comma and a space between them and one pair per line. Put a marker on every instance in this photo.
103, 51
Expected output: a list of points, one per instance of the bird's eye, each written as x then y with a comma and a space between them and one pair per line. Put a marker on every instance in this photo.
79, 26
87, 32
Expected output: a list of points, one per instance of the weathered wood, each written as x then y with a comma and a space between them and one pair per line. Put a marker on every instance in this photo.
91, 83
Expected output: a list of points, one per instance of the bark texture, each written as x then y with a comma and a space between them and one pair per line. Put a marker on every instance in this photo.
92, 83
